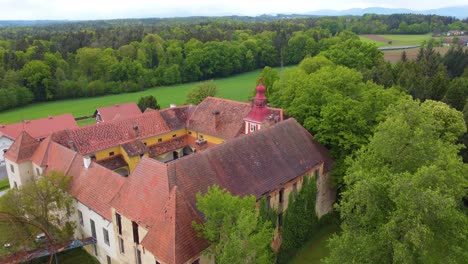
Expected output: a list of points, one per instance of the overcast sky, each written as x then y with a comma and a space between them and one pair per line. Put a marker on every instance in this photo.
108, 9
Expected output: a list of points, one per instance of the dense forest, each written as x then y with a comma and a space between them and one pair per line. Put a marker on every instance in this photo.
90, 58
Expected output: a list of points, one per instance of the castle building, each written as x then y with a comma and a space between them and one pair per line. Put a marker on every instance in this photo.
135, 179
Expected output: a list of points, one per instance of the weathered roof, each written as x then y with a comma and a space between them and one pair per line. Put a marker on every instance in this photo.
105, 135
94, 186
118, 111
22, 149
39, 128
145, 192
252, 164
176, 117
40, 155
113, 162
172, 239
135, 148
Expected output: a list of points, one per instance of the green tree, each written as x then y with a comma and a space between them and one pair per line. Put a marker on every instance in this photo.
403, 201
45, 201
201, 91
148, 102
233, 228
38, 79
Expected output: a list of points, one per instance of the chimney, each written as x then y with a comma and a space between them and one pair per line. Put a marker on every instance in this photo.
86, 161
216, 118
135, 130
172, 105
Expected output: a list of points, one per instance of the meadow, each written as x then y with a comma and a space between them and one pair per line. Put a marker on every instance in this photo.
396, 40
238, 87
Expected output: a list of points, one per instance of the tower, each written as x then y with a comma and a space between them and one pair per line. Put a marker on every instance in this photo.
259, 112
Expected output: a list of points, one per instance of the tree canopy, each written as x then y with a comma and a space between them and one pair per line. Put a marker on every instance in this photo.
403, 201
201, 91
233, 228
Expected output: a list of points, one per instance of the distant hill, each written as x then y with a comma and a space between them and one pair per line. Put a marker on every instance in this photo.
455, 11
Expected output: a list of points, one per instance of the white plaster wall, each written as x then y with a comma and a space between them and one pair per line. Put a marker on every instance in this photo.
100, 223
21, 173
5, 143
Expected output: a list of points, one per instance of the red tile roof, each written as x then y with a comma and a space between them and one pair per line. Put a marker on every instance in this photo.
144, 194
40, 155
252, 164
135, 148
176, 117
118, 111
90, 139
172, 239
94, 186
22, 149
222, 118
39, 128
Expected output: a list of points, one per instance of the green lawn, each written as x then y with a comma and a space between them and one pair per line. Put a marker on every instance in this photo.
397, 40
237, 87
74, 256
4, 184
315, 249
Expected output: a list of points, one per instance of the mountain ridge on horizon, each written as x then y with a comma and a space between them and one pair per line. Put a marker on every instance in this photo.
459, 12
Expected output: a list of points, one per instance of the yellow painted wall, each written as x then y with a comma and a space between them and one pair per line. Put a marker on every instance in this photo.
104, 154
165, 137
131, 161
209, 138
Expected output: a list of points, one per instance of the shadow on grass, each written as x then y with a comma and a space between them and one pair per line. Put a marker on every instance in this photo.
316, 249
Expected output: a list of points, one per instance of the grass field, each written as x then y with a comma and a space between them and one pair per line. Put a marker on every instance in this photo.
395, 55
238, 87
75, 256
397, 40
316, 249
4, 184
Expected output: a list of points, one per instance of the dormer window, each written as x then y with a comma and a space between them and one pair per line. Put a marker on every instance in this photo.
253, 127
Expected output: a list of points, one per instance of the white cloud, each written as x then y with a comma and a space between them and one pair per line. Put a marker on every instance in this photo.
105, 9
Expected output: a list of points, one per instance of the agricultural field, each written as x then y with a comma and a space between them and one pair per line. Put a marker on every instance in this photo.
395, 40
238, 87
394, 56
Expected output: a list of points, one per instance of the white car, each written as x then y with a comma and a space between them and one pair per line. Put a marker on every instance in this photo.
7, 245
40, 237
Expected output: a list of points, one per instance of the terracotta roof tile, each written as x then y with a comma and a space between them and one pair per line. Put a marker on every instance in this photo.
172, 238
144, 193
222, 118
118, 111
94, 186
101, 136
22, 149
166, 146
39, 128
176, 117
40, 155
135, 148
113, 162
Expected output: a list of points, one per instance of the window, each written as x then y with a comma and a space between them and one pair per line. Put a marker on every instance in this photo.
280, 220
16, 185
111, 153
295, 189
12, 168
80, 217
281, 194
38, 172
201, 136
253, 127
267, 204
175, 135
190, 132
157, 262
108, 260
106, 236
93, 228
196, 261
316, 174
136, 237
121, 245
138, 256
144, 143
118, 219
159, 139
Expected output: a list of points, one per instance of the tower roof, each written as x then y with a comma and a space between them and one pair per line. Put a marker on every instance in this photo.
259, 111
23, 148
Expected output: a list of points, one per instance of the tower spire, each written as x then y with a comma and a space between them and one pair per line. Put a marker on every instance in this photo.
259, 111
